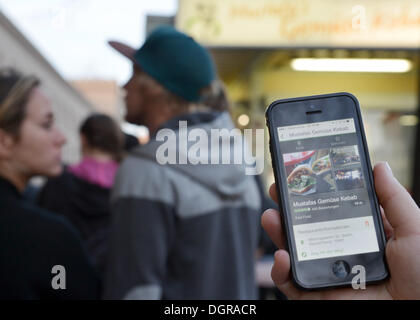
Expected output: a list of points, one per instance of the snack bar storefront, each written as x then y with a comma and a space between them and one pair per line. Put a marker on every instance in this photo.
272, 49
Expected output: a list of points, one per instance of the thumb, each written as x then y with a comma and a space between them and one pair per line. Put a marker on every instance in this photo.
400, 209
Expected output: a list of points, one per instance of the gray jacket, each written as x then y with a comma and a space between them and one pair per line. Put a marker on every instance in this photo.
183, 231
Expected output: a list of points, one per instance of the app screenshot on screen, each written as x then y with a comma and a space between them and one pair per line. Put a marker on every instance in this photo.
327, 195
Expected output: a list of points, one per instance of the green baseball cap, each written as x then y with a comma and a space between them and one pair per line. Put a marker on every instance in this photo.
173, 59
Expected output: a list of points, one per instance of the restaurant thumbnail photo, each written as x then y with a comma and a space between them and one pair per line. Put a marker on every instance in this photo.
323, 170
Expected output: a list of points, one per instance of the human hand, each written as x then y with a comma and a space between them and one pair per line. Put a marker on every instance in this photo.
401, 217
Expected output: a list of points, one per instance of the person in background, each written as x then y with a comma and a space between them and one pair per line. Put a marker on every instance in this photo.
130, 142
34, 242
179, 231
216, 98
82, 192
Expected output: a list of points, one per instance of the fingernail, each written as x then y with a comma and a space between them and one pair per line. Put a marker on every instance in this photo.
388, 168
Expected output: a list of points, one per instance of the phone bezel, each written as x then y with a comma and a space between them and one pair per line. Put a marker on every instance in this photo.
377, 270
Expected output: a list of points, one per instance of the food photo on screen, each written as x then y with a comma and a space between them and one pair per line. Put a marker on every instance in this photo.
309, 172
322, 165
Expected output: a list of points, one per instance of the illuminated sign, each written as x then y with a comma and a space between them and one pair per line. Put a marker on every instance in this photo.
320, 23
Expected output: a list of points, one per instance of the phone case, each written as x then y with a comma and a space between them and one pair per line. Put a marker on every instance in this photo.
284, 217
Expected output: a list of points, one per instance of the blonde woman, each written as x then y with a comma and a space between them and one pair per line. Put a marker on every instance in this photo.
41, 256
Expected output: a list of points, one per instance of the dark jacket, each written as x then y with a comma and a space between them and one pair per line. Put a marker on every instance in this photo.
33, 241
86, 206
183, 231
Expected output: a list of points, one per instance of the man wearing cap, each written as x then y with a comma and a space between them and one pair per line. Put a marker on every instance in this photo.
185, 230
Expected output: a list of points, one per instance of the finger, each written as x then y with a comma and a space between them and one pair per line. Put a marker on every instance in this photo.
400, 209
389, 231
271, 223
280, 273
273, 193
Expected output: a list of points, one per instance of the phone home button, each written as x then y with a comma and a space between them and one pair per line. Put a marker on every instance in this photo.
341, 269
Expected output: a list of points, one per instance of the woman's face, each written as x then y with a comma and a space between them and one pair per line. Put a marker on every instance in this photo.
38, 149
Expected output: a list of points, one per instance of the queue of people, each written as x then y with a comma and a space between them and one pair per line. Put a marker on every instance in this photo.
124, 226
82, 192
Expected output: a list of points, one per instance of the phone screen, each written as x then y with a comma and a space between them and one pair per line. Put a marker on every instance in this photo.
327, 190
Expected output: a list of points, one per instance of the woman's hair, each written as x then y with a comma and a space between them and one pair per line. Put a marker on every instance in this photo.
214, 96
103, 133
15, 90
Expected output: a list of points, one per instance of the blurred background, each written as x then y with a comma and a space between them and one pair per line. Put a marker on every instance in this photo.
264, 50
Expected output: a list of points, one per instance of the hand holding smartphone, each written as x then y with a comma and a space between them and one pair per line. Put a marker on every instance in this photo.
331, 216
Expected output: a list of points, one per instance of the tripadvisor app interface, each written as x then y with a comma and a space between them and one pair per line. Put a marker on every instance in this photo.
329, 202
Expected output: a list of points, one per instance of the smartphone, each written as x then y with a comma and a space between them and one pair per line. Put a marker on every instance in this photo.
330, 213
